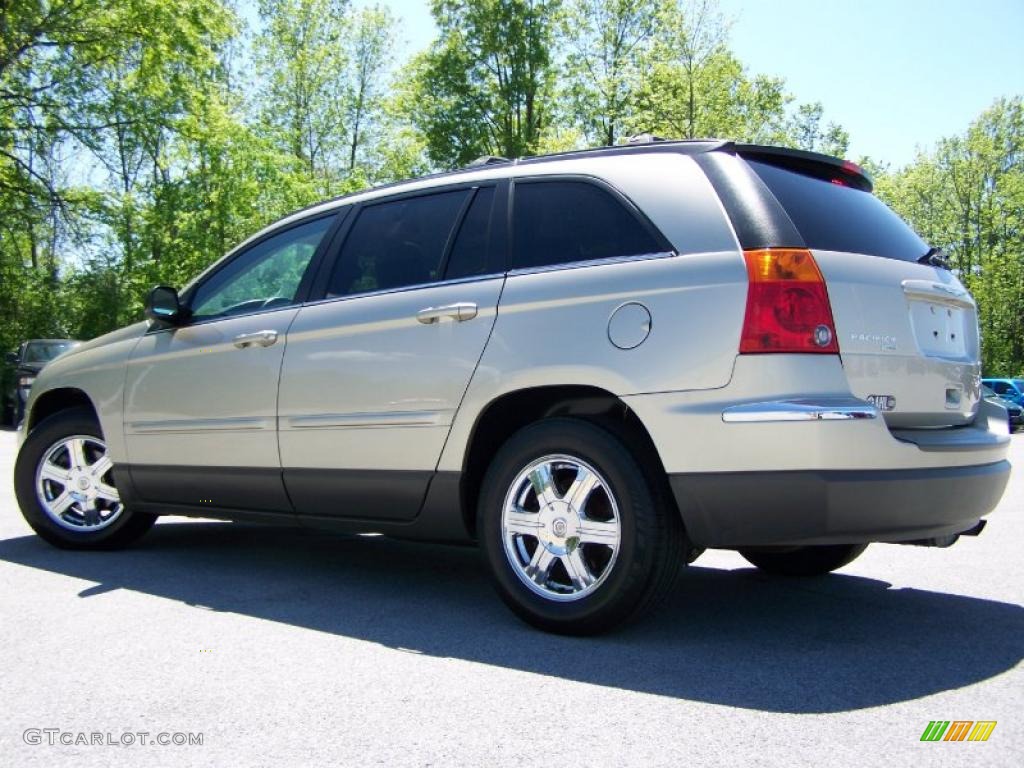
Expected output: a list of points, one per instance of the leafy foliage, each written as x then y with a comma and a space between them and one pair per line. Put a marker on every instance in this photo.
967, 196
485, 87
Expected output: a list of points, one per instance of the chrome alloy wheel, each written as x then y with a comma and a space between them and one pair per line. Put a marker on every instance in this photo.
561, 528
75, 486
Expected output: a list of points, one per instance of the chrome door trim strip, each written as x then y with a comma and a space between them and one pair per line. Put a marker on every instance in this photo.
235, 424
363, 419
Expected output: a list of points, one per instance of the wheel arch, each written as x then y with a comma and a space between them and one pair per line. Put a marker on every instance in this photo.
56, 400
508, 413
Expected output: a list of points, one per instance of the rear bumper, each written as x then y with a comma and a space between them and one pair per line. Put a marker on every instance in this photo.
786, 454
734, 509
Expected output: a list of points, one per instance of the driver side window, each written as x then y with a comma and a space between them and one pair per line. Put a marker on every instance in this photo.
265, 276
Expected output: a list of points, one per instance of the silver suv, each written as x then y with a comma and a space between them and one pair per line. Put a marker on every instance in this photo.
594, 364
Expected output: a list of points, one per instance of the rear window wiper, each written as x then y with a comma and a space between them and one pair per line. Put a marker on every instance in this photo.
935, 257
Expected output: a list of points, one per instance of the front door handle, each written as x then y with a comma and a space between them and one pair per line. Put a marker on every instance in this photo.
257, 339
464, 310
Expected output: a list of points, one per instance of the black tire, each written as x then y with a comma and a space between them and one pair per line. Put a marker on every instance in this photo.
652, 545
804, 561
128, 527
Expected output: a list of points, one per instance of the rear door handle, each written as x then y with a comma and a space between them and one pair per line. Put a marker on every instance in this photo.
464, 310
257, 339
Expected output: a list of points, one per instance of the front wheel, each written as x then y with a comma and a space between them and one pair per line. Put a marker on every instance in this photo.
578, 538
803, 561
67, 488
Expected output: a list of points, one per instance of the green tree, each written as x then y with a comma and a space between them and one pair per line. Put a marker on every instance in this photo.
697, 88
610, 49
486, 84
101, 81
302, 57
967, 196
806, 131
371, 54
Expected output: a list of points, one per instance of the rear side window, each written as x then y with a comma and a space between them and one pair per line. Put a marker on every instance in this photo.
834, 217
397, 244
477, 249
556, 222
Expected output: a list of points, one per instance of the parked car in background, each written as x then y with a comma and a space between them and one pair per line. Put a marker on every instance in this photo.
595, 364
1014, 412
6, 391
1008, 389
30, 358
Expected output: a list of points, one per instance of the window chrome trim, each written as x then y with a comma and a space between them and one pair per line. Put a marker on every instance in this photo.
824, 409
404, 289
154, 329
592, 263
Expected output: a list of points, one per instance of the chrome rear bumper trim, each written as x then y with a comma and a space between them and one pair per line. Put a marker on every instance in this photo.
824, 409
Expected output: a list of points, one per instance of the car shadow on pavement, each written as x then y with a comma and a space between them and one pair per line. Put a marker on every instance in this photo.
736, 638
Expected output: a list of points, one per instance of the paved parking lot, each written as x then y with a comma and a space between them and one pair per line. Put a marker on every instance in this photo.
287, 647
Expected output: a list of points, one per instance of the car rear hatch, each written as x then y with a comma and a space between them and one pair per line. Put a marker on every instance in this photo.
907, 329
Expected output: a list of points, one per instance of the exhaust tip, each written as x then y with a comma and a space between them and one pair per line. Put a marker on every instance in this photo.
951, 539
976, 530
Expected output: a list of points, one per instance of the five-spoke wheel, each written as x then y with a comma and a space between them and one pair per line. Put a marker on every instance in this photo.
66, 484
578, 536
562, 528
75, 485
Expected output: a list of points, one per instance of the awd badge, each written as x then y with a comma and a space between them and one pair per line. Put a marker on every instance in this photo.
882, 402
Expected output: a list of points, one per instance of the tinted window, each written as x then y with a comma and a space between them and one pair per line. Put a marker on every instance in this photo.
396, 244
1001, 387
266, 275
833, 217
476, 251
556, 222
45, 351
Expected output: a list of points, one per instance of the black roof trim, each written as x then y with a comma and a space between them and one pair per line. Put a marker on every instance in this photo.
757, 217
677, 146
813, 163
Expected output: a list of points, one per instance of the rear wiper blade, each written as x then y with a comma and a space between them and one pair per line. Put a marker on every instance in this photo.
935, 257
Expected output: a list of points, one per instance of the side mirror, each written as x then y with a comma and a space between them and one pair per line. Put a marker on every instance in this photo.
11, 358
163, 306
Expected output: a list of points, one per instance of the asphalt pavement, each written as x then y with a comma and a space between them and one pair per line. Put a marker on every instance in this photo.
275, 646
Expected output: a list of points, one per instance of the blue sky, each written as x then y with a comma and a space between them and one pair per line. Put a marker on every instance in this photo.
896, 74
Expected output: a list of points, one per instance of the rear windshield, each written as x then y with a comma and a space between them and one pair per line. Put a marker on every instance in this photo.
834, 217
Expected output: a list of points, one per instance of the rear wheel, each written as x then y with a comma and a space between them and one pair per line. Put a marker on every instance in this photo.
577, 536
67, 489
804, 561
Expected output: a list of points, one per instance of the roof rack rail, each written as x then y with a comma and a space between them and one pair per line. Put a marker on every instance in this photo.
644, 138
484, 160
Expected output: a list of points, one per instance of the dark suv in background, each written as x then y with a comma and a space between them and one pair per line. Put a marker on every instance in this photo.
30, 358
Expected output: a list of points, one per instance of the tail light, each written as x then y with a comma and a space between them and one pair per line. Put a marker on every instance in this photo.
787, 304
